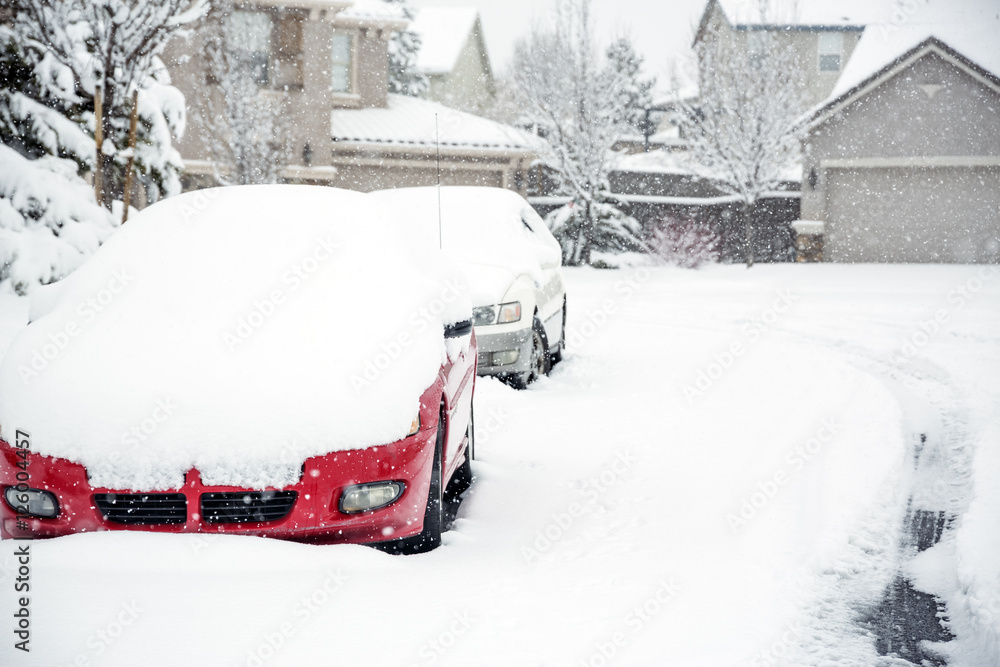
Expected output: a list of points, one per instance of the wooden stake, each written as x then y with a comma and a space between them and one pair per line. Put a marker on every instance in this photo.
99, 142
126, 200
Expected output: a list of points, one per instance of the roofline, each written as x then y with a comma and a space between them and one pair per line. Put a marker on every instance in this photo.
429, 150
703, 22
771, 27
833, 27
932, 44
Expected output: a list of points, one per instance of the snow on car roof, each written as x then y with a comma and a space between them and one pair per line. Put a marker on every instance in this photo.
444, 32
236, 331
485, 226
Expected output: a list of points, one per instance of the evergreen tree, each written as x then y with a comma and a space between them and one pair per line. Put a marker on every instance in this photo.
404, 79
635, 95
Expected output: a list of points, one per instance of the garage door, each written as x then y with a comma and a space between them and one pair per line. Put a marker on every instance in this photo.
913, 214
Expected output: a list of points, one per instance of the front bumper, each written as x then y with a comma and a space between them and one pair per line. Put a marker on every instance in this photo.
494, 346
314, 514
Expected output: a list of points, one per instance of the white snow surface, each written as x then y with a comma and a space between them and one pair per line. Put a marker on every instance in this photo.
485, 230
247, 316
599, 523
444, 32
971, 27
408, 120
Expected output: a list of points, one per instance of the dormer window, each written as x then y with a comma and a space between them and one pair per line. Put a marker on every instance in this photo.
831, 46
340, 65
252, 33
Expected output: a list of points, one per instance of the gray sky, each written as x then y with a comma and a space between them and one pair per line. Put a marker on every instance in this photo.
660, 29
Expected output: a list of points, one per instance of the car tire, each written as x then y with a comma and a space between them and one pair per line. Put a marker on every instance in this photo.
462, 479
539, 364
430, 537
557, 354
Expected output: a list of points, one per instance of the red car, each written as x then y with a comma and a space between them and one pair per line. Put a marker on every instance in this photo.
255, 433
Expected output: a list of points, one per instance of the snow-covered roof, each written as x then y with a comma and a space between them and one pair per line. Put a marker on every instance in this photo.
969, 27
444, 32
411, 121
810, 13
373, 10
653, 162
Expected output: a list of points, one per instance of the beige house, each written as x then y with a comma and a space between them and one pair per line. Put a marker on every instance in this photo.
822, 35
325, 63
454, 58
902, 161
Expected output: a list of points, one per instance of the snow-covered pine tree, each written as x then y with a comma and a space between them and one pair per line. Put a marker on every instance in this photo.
599, 220
404, 79
113, 46
49, 221
570, 95
636, 93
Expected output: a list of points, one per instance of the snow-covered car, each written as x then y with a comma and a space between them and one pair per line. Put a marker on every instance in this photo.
257, 360
513, 267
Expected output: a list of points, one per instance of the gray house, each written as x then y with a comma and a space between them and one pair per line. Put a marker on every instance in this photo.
902, 162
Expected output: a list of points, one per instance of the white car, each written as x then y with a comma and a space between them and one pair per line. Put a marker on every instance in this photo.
513, 265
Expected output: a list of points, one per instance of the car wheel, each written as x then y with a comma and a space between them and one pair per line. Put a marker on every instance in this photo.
462, 479
556, 355
430, 537
539, 364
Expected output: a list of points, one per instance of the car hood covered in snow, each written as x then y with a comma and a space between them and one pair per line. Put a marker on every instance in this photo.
491, 228
238, 331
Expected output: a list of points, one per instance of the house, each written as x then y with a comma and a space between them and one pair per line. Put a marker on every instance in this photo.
821, 35
454, 58
324, 64
902, 159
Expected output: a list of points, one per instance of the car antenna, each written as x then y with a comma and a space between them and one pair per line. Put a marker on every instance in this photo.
437, 149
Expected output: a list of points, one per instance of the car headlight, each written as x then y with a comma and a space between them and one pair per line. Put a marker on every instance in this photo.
368, 497
414, 426
509, 312
34, 502
484, 315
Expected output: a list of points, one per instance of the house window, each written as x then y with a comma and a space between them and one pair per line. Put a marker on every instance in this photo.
340, 69
251, 32
831, 45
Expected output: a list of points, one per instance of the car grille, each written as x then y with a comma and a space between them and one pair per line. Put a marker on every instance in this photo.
142, 508
246, 506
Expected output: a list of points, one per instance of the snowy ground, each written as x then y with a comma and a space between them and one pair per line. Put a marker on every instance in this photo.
717, 474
